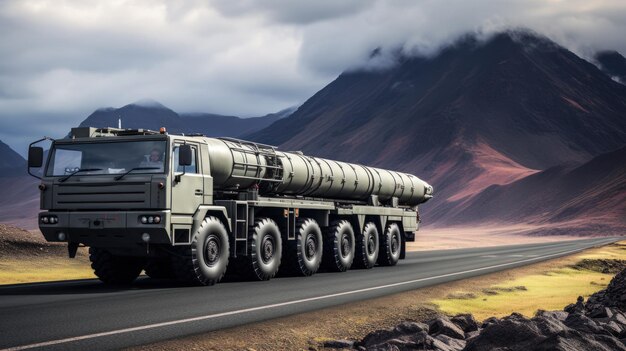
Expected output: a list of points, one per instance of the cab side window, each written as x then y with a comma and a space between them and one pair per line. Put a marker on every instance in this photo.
193, 168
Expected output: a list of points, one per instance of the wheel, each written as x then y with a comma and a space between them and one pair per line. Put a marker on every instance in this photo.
204, 262
304, 255
265, 250
367, 246
115, 270
160, 269
390, 246
339, 246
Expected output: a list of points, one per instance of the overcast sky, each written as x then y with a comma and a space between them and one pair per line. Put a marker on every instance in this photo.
60, 60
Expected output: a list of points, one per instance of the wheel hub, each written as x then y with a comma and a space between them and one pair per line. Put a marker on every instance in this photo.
211, 251
395, 244
345, 245
310, 247
371, 245
267, 248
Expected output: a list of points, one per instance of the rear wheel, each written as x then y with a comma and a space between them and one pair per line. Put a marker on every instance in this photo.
390, 246
204, 262
304, 255
265, 250
339, 246
367, 246
115, 270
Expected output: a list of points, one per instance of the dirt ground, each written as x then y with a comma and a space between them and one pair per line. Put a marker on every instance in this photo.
444, 238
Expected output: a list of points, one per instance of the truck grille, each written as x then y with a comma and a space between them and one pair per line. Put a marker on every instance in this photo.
101, 196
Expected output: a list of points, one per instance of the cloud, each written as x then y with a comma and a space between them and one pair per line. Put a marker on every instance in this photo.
63, 59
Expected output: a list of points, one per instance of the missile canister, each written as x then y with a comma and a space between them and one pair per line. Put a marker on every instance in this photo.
237, 164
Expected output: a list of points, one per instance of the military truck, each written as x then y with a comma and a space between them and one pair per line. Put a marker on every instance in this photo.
190, 207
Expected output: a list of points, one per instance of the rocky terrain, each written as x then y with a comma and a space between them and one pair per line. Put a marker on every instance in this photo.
597, 324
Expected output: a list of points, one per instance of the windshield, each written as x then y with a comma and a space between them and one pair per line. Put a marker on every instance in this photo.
107, 158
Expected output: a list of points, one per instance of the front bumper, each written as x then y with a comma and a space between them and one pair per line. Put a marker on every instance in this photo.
106, 229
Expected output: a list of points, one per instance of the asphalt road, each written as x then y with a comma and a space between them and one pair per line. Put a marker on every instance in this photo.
86, 315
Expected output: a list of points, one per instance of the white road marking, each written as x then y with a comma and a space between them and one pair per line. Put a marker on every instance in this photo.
517, 256
281, 304
489, 256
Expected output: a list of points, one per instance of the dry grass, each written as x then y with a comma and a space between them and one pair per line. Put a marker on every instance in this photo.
551, 289
28, 269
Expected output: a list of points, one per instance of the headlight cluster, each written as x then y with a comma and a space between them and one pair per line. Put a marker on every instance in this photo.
148, 219
49, 219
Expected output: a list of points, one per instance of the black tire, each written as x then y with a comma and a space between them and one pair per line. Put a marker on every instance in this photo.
115, 270
204, 262
367, 247
339, 246
160, 269
265, 251
391, 245
304, 255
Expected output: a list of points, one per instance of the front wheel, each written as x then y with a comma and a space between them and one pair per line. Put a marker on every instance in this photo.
204, 262
391, 246
115, 270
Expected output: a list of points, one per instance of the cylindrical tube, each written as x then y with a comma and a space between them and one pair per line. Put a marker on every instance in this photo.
239, 165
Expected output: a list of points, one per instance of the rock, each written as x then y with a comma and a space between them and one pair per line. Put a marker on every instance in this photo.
489, 321
511, 333
600, 312
613, 328
578, 307
471, 335
560, 315
452, 343
442, 325
339, 344
549, 325
466, 322
575, 341
619, 318
403, 331
584, 324
614, 295
410, 327
378, 337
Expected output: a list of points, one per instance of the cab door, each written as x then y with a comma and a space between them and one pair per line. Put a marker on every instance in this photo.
187, 181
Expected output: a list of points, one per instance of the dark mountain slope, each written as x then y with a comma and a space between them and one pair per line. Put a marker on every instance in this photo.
11, 163
594, 192
613, 64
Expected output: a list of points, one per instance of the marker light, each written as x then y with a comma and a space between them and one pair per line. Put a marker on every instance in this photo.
61, 236
145, 237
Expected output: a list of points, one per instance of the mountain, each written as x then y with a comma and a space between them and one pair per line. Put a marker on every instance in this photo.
613, 64
150, 114
593, 193
479, 113
11, 163
19, 202
218, 125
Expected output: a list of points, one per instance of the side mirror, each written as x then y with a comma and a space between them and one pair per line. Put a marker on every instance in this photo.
35, 157
184, 155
